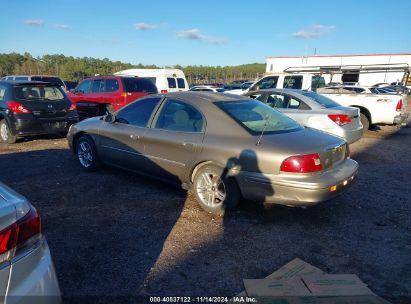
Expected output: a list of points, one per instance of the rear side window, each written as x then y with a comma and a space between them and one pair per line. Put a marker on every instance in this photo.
171, 83
21, 78
293, 82
38, 93
2, 92
152, 79
181, 83
111, 85
139, 85
178, 116
138, 113
317, 82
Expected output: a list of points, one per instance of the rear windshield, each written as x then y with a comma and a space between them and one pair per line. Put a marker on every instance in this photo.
322, 100
139, 85
53, 80
256, 117
38, 93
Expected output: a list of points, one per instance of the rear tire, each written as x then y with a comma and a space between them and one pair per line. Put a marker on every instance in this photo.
5, 133
216, 192
87, 153
365, 122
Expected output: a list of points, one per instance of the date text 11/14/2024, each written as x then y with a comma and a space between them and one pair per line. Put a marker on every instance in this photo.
236, 299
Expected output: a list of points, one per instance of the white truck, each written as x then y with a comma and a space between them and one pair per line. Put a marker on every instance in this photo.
374, 108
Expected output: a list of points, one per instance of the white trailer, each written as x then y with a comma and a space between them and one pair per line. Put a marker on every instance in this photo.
366, 70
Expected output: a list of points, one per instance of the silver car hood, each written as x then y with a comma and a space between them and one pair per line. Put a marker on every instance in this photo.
13, 206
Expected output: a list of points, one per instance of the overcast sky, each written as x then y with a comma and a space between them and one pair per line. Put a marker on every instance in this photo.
204, 32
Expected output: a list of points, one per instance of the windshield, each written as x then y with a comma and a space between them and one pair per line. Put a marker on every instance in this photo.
256, 116
322, 100
38, 93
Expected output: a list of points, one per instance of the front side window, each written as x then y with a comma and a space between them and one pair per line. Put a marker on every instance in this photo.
256, 116
38, 93
293, 82
138, 113
179, 116
98, 86
84, 86
181, 83
171, 83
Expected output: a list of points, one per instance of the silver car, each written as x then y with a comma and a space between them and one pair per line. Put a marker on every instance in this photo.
27, 273
220, 146
315, 111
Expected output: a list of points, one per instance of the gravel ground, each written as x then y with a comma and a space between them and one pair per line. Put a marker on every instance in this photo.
112, 233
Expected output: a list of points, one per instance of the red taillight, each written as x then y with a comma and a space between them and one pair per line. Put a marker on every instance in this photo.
399, 106
340, 119
72, 107
19, 232
302, 163
164, 91
16, 107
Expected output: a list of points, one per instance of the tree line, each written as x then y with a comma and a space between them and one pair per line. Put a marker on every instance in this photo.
76, 68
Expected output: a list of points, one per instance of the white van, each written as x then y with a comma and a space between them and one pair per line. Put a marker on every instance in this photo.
166, 80
285, 81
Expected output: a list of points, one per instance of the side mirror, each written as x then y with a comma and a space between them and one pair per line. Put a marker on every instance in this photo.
73, 91
110, 118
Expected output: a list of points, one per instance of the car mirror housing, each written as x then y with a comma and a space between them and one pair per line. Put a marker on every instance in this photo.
110, 118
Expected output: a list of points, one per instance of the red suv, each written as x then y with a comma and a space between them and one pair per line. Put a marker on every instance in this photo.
105, 94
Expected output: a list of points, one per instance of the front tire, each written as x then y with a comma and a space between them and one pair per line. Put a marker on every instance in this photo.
87, 153
5, 133
215, 191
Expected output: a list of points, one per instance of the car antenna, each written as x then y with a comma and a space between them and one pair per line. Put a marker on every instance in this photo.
258, 143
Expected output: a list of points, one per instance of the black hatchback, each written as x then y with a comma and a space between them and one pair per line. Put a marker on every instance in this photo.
33, 108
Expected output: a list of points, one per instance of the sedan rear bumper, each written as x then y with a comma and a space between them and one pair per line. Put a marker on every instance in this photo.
296, 189
33, 278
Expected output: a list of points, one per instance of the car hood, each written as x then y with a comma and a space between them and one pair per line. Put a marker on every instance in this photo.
13, 206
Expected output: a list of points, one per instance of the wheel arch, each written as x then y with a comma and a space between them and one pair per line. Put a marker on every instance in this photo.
364, 111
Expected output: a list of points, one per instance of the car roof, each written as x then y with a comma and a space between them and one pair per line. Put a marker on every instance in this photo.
202, 96
25, 82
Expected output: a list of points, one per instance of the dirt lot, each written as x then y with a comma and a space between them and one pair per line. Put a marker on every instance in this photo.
112, 233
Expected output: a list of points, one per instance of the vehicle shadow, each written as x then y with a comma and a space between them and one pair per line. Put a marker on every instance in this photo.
105, 229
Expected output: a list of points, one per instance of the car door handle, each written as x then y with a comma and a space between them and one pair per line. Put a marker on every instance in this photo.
189, 145
135, 136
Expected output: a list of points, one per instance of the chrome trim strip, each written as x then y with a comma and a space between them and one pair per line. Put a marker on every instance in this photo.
121, 150
166, 160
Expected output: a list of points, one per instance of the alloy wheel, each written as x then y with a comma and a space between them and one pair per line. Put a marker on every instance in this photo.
85, 154
4, 132
211, 189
